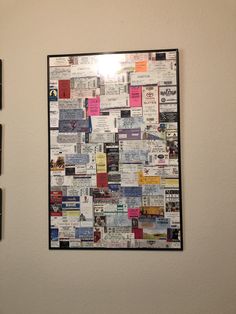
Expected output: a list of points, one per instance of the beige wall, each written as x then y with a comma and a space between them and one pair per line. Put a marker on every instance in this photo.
201, 279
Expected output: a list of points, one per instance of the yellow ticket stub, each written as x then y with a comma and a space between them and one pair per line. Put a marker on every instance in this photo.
170, 182
101, 162
148, 179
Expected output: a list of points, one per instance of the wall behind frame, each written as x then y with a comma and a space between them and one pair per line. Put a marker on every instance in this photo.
201, 279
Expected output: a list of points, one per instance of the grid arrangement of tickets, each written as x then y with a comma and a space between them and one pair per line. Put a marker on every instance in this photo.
114, 164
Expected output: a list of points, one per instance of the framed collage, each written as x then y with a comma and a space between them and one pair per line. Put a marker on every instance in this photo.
114, 151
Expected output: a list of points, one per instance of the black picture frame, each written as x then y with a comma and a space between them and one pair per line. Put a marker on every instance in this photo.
0, 84
172, 237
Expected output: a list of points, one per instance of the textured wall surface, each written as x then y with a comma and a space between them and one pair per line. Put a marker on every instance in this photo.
202, 278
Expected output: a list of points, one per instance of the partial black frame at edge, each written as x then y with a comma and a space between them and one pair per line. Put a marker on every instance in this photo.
179, 153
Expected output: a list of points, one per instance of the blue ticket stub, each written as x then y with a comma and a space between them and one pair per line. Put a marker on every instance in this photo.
74, 126
76, 159
131, 191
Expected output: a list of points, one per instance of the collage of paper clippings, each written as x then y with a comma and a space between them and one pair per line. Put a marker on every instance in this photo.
114, 153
